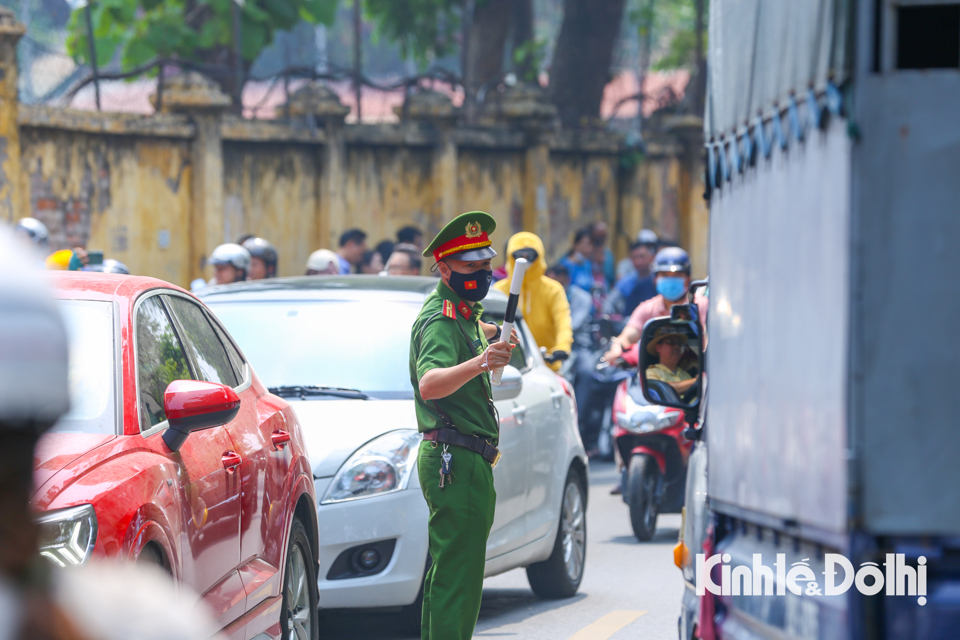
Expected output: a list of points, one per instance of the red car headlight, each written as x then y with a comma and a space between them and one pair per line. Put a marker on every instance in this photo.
67, 536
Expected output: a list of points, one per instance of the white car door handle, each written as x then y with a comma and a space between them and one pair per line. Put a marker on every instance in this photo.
519, 413
557, 397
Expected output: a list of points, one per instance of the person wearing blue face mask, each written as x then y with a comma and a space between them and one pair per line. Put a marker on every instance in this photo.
671, 273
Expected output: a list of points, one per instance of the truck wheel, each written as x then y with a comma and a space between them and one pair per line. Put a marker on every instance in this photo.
298, 615
642, 486
559, 575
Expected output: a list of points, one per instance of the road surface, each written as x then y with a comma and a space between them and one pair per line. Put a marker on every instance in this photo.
630, 589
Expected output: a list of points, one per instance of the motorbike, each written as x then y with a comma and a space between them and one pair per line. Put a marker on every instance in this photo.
596, 384
650, 440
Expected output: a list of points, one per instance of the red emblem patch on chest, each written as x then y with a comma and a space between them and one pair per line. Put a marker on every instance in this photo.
470, 285
465, 310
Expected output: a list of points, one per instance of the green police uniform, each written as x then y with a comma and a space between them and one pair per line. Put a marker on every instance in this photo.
445, 334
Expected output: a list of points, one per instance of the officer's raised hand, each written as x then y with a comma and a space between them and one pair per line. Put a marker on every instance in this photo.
496, 356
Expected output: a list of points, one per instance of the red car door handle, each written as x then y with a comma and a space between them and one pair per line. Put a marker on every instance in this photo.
230, 460
279, 438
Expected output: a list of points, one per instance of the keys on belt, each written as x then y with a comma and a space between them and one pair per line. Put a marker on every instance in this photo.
474, 443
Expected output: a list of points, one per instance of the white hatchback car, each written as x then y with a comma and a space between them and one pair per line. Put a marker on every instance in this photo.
337, 348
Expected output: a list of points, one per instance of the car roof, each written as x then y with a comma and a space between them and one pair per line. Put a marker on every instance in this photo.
95, 285
349, 287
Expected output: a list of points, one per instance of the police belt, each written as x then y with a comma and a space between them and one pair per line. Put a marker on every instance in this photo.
476, 444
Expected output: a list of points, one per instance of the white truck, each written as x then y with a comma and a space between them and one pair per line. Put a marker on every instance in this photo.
832, 443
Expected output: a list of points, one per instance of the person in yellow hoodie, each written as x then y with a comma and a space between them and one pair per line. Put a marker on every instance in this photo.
543, 301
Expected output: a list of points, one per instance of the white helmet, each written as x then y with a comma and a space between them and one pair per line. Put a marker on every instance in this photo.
321, 261
33, 346
35, 230
232, 254
647, 236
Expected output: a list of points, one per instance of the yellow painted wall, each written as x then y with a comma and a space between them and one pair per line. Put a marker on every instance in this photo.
492, 181
127, 197
130, 192
271, 191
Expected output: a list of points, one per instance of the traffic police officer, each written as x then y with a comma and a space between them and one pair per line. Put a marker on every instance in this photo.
450, 365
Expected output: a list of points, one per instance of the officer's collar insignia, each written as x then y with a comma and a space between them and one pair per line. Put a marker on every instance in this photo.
473, 230
465, 310
448, 309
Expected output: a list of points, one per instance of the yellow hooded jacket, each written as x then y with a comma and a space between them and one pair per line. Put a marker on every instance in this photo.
543, 301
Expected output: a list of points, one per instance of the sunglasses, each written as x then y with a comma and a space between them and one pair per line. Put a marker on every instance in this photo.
672, 342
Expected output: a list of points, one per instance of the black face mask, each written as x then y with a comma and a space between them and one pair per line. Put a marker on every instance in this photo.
471, 286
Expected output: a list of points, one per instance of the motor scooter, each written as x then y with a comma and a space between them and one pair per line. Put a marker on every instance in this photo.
650, 441
596, 384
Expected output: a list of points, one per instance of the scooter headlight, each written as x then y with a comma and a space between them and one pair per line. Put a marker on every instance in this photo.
648, 418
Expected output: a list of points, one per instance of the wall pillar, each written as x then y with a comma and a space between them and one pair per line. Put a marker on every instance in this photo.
200, 98
434, 110
317, 107
528, 108
13, 202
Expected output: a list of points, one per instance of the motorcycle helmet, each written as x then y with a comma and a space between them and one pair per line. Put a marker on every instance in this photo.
671, 260
232, 254
260, 248
34, 391
109, 266
35, 230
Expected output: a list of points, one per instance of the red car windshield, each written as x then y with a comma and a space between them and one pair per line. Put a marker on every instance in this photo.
90, 330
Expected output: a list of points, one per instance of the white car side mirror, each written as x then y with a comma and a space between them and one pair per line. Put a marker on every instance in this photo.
511, 384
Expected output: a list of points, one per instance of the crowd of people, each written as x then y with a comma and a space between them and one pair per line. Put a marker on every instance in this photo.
255, 258
561, 303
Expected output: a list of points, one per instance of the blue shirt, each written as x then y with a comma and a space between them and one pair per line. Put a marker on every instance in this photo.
581, 273
345, 267
634, 290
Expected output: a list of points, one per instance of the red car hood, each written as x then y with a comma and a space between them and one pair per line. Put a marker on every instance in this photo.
57, 450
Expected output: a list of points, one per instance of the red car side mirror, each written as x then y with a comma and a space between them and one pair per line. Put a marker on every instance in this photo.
192, 405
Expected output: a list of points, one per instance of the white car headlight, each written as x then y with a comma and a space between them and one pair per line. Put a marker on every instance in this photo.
67, 536
381, 466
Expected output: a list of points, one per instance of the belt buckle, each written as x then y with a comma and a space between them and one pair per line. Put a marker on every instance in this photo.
496, 461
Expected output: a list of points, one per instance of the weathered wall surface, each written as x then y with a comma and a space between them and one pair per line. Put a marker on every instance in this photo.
130, 185
127, 196
270, 190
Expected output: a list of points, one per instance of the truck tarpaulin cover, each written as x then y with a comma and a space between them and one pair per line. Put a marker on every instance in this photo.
761, 50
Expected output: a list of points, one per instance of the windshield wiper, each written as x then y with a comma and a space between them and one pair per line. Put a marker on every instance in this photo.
303, 391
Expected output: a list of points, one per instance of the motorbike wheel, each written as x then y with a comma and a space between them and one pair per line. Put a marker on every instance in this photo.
642, 501
605, 437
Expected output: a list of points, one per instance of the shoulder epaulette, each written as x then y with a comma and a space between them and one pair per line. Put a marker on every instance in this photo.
449, 310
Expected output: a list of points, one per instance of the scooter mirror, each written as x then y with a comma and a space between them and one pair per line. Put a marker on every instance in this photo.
671, 359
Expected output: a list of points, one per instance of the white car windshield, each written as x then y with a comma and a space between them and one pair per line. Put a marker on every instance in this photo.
90, 330
361, 345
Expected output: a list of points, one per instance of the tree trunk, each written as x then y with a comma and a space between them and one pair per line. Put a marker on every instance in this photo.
646, 46
522, 34
487, 37
697, 89
581, 65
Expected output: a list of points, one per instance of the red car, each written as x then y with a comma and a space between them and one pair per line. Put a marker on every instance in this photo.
174, 453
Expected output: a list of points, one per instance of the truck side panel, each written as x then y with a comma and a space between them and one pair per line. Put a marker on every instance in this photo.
778, 325
906, 322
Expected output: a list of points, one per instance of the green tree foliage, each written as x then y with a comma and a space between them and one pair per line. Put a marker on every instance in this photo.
424, 29
195, 30
671, 27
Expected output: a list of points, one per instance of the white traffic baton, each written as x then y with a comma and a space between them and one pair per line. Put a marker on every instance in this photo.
516, 283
